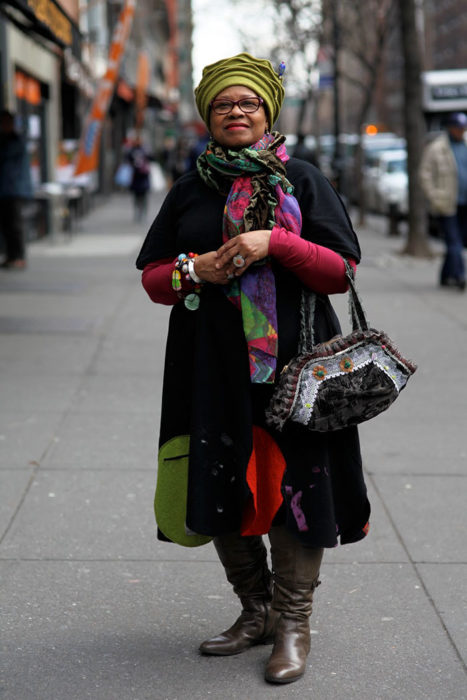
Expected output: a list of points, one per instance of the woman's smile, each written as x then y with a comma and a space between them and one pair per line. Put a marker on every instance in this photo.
230, 127
237, 129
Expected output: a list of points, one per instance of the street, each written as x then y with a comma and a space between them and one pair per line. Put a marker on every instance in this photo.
93, 606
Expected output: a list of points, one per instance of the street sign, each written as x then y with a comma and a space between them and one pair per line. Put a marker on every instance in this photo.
325, 81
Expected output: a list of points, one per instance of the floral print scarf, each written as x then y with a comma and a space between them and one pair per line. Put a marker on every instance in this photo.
259, 196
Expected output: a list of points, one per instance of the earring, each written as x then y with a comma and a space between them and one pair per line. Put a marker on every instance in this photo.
266, 131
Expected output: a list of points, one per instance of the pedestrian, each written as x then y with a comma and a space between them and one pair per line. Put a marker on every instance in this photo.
140, 180
302, 151
197, 149
15, 187
179, 158
232, 247
443, 176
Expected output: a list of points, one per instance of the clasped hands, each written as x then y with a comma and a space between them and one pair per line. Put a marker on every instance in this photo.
218, 266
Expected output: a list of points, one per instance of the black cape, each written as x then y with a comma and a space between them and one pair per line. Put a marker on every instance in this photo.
207, 392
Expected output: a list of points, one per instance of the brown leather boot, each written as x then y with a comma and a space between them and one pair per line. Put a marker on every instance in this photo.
295, 571
245, 563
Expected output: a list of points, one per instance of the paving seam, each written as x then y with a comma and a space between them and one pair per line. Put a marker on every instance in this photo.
417, 474
37, 467
87, 372
20, 503
126, 469
414, 289
159, 560
55, 468
418, 576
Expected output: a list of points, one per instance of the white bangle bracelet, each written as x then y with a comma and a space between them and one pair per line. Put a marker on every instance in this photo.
192, 273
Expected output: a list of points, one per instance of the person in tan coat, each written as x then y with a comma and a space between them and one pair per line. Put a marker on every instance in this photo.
443, 176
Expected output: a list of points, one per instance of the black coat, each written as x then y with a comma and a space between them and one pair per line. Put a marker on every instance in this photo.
207, 392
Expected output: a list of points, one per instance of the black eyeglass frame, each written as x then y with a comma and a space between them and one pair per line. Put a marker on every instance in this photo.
237, 102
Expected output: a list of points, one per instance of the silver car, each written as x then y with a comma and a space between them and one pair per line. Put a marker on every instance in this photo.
386, 182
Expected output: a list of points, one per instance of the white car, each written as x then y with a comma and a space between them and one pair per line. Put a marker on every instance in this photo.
386, 182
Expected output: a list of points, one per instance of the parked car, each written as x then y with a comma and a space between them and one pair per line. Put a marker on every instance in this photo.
373, 144
386, 182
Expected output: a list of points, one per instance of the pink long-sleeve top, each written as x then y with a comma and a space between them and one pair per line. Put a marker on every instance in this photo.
319, 268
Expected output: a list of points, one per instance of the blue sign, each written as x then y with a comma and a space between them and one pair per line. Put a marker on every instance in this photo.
326, 81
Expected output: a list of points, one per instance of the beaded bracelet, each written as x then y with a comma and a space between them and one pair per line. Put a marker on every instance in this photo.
184, 265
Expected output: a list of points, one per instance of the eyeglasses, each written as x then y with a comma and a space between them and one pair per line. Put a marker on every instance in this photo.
248, 105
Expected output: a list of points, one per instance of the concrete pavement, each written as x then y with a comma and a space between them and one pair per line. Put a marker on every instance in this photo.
93, 606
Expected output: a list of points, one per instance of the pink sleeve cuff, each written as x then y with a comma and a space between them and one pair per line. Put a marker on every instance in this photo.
157, 281
319, 268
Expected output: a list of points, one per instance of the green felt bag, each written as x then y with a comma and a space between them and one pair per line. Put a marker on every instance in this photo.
171, 493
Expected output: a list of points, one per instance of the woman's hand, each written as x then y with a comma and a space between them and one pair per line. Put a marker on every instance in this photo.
251, 246
207, 269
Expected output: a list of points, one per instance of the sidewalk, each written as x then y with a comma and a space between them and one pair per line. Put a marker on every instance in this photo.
93, 606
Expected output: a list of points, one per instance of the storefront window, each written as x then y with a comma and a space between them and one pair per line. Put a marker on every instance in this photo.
31, 122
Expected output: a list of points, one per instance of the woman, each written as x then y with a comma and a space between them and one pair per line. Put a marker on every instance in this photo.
140, 180
258, 226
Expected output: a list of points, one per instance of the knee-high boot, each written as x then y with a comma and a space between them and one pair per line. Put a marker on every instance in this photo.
295, 572
245, 563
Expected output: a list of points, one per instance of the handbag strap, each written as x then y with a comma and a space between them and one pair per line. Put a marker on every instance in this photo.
307, 317
357, 314
307, 312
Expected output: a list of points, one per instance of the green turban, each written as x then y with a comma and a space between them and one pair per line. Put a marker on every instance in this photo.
243, 69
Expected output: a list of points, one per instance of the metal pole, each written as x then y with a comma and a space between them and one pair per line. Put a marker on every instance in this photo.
3, 65
336, 160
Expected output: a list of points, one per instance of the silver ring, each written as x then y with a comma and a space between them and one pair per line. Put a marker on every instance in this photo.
238, 260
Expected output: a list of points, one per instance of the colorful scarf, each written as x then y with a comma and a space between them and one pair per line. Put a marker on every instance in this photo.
259, 196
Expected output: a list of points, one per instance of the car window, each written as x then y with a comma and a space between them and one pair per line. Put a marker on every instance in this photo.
397, 166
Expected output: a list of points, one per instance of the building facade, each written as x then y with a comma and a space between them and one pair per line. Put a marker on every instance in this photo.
53, 55
33, 38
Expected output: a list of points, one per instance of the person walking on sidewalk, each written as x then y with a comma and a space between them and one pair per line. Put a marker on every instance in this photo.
443, 176
232, 247
15, 186
140, 180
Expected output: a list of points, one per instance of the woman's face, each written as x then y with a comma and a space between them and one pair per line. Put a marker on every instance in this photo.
238, 128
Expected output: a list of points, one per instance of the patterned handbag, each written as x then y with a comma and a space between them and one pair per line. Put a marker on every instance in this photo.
341, 382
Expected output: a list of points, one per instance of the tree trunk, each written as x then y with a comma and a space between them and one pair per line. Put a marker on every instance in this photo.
417, 240
360, 180
302, 114
336, 162
363, 117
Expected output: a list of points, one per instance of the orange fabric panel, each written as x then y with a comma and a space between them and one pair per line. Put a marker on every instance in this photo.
20, 85
33, 92
264, 477
142, 82
27, 88
88, 154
